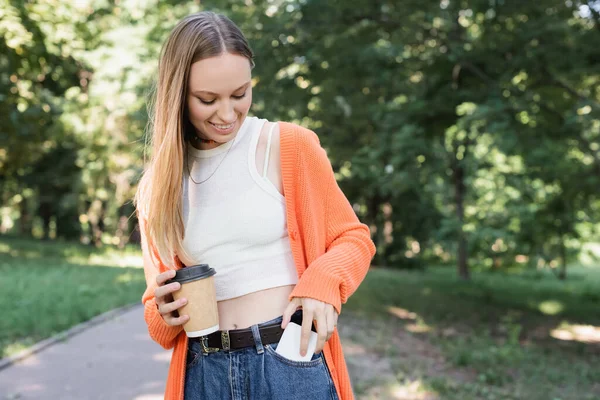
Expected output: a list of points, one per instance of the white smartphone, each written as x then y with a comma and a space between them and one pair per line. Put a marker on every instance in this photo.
289, 344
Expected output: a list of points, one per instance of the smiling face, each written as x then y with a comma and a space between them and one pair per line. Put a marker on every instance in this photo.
219, 97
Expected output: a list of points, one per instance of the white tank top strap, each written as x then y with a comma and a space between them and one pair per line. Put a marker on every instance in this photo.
268, 152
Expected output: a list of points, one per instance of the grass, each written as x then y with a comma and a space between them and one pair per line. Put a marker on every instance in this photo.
48, 287
505, 331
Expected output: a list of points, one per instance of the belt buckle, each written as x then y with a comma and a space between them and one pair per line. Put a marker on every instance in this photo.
225, 342
205, 348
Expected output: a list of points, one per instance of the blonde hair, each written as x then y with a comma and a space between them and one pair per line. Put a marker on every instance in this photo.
158, 199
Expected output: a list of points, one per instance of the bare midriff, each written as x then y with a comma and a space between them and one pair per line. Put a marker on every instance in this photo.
253, 308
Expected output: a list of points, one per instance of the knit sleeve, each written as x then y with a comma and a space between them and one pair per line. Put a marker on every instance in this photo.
336, 274
159, 330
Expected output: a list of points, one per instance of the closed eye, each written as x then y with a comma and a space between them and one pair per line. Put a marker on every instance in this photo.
208, 103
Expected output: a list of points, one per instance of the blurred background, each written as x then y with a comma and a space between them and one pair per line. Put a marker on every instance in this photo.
466, 134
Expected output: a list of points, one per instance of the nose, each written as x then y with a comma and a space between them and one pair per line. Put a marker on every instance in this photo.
226, 112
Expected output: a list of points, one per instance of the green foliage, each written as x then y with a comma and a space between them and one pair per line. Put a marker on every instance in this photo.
452, 126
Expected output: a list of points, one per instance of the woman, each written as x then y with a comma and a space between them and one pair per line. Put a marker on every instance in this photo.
259, 203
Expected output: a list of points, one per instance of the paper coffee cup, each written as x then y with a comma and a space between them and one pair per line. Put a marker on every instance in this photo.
198, 287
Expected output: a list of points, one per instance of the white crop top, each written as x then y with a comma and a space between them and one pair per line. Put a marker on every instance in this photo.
236, 221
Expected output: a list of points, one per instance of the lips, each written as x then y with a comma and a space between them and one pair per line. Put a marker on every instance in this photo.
223, 128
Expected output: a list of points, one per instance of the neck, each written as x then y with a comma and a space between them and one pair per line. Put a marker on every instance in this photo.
204, 144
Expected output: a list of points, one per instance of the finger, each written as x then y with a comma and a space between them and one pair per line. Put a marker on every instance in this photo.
321, 332
307, 319
289, 311
174, 321
162, 291
165, 276
331, 321
168, 308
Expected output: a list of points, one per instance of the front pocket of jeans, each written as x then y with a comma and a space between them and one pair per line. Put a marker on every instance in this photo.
299, 364
192, 358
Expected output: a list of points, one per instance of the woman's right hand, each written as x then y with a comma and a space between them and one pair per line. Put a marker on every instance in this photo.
163, 295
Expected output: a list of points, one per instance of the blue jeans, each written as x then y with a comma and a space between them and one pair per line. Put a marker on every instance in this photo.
255, 373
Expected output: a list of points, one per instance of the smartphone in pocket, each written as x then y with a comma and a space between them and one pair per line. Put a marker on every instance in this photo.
289, 344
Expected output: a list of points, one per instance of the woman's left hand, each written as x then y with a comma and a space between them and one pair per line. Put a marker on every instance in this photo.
323, 313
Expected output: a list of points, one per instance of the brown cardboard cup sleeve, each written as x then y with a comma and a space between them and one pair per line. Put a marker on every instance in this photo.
198, 287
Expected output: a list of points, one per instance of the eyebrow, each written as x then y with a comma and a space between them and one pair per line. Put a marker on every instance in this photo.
215, 94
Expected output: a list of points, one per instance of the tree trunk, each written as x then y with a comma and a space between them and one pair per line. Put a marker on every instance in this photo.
25, 219
562, 273
122, 226
459, 198
135, 237
497, 262
45, 212
373, 211
100, 226
96, 220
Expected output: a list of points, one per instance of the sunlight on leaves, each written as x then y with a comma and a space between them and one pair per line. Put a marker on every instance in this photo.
466, 108
551, 307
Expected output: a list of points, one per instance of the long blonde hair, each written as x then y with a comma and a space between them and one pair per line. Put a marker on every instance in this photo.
158, 199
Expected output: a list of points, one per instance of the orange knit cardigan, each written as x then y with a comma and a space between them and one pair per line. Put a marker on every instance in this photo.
332, 251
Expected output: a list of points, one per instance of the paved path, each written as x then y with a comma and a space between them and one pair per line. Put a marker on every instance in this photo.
112, 360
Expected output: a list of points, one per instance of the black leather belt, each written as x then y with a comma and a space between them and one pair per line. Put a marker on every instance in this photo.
240, 338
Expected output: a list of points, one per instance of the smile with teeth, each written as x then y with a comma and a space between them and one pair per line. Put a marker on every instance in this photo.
223, 127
